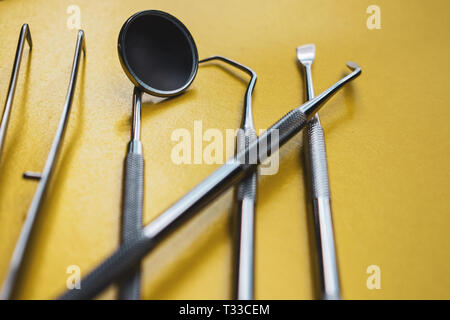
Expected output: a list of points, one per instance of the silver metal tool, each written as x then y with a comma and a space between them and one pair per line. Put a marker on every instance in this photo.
129, 254
161, 70
320, 189
246, 196
133, 198
44, 178
25, 34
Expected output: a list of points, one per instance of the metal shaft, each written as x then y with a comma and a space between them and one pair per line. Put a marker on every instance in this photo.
245, 241
233, 171
133, 199
246, 196
25, 34
135, 143
320, 190
27, 228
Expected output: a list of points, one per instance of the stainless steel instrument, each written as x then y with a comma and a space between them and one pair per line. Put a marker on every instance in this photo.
161, 70
133, 197
246, 196
320, 188
25, 34
44, 178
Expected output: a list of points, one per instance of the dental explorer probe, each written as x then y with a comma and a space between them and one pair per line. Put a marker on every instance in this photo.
320, 188
246, 196
233, 171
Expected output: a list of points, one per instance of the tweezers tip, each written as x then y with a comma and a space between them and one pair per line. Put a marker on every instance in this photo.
26, 31
81, 36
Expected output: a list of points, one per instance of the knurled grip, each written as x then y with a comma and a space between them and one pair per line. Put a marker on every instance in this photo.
288, 126
132, 203
247, 188
317, 159
120, 262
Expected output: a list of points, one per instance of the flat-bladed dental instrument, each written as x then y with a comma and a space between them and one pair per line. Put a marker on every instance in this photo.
320, 188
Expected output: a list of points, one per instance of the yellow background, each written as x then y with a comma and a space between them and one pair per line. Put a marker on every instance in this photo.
387, 139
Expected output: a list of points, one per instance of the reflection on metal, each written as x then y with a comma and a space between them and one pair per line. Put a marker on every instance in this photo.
25, 34
246, 197
320, 188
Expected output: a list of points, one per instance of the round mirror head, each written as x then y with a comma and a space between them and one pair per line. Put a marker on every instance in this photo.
158, 53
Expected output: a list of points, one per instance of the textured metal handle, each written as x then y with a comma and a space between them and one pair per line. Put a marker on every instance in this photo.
245, 229
322, 210
318, 159
247, 188
132, 204
130, 253
120, 263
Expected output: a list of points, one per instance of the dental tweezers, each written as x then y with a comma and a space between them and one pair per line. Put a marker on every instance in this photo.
25, 34
16, 263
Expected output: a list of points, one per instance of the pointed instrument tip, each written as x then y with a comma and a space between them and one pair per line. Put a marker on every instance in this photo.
26, 31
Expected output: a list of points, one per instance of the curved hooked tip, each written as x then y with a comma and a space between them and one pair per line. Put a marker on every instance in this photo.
231, 62
312, 106
248, 120
354, 66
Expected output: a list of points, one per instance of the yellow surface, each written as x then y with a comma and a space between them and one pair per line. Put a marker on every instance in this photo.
387, 140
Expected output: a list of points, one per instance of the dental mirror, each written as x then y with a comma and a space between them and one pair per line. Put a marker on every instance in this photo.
158, 53
160, 57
